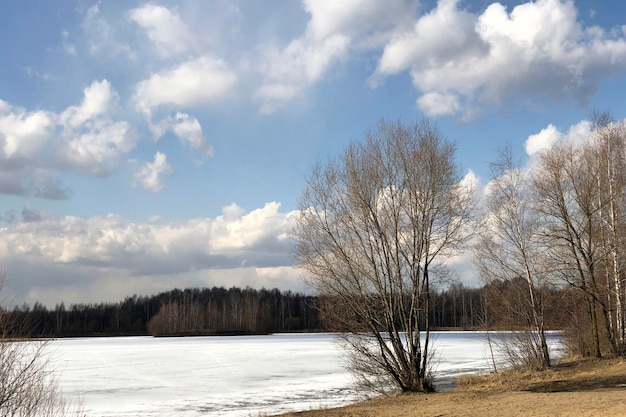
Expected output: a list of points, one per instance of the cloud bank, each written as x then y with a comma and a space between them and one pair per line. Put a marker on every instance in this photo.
70, 253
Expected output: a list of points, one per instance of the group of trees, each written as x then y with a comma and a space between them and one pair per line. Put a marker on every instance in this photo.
581, 196
234, 311
191, 311
377, 229
562, 223
221, 311
380, 222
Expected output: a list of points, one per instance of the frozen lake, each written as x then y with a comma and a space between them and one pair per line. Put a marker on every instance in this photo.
228, 376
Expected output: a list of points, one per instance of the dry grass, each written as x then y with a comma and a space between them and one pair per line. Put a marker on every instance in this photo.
572, 388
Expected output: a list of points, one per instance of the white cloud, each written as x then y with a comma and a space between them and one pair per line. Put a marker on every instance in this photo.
92, 140
538, 49
577, 134
439, 104
334, 28
199, 81
302, 63
149, 175
99, 99
196, 82
163, 27
186, 128
238, 230
23, 133
111, 240
356, 18
441, 35
189, 131
96, 148
86, 138
24, 137
70, 252
545, 139
580, 133
273, 94
470, 181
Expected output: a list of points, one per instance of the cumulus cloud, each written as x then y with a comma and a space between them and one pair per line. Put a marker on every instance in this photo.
149, 175
545, 139
439, 104
23, 139
200, 251
23, 133
225, 241
300, 64
577, 134
199, 81
431, 41
92, 139
333, 27
356, 18
538, 49
189, 131
86, 138
99, 99
163, 27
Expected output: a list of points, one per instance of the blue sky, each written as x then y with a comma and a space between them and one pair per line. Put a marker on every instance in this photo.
153, 145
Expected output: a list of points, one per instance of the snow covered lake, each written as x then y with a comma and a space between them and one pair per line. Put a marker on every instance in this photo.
229, 376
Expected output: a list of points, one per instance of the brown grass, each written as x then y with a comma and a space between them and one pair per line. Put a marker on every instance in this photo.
572, 388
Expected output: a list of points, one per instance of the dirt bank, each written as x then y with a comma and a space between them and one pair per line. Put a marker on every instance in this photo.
572, 388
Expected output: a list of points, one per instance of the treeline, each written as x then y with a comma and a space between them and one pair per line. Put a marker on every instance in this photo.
221, 311
235, 311
191, 311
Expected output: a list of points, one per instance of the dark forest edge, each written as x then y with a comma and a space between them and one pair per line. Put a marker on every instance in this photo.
236, 311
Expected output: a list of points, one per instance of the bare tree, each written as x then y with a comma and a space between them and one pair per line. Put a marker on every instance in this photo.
375, 228
27, 385
566, 183
608, 148
509, 248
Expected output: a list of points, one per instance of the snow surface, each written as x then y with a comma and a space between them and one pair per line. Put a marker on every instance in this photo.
228, 376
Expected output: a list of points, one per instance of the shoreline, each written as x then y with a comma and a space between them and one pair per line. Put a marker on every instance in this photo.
581, 387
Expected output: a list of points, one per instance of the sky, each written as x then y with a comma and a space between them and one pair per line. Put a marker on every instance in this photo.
146, 146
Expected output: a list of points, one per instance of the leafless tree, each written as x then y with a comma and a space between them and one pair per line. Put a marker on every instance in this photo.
375, 228
27, 385
608, 148
509, 248
567, 185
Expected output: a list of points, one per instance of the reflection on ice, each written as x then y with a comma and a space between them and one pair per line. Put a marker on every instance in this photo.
227, 376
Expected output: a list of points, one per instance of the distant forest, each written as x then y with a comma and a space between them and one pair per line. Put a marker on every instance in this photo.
221, 311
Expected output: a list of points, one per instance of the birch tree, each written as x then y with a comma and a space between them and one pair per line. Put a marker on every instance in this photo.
566, 187
582, 190
509, 248
375, 227
608, 148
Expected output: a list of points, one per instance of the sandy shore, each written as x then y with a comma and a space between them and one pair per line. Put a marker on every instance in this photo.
572, 388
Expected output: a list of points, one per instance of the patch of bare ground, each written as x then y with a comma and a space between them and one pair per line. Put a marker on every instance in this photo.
571, 388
